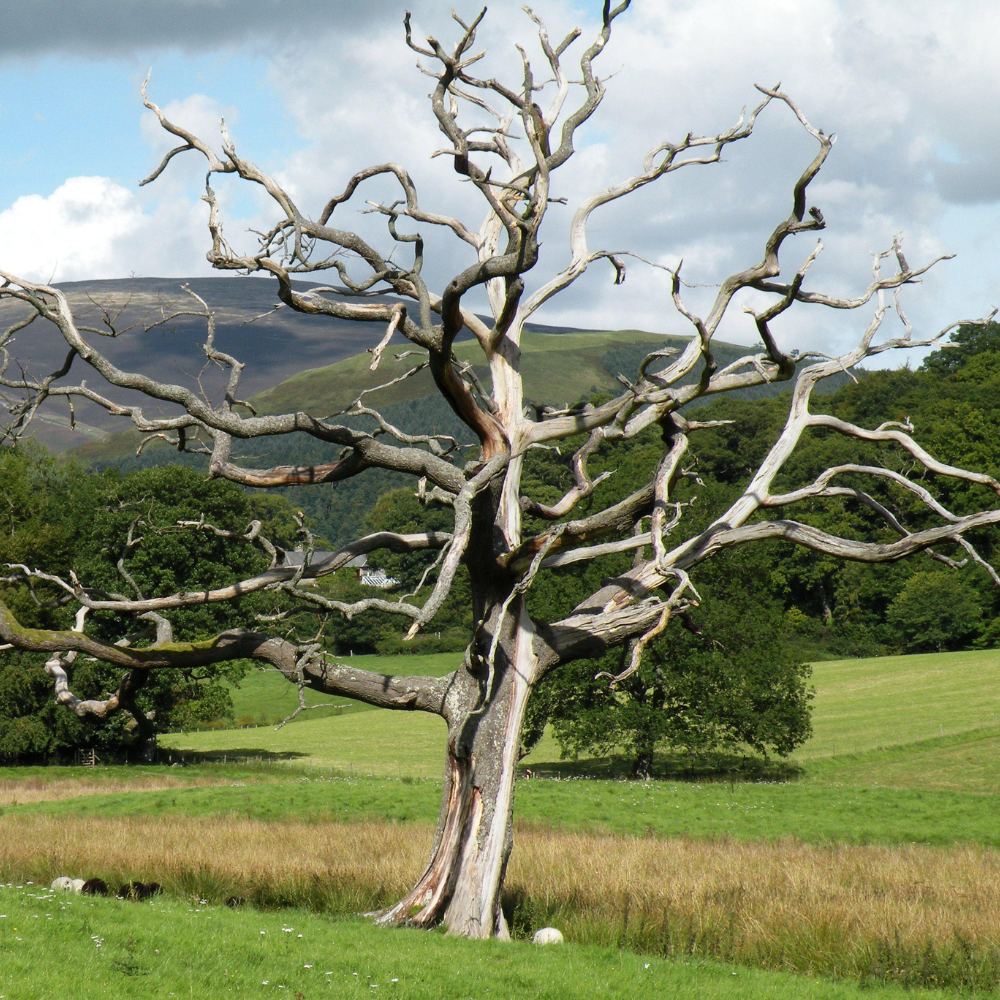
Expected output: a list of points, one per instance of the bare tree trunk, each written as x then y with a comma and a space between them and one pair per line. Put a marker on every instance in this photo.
642, 768
462, 883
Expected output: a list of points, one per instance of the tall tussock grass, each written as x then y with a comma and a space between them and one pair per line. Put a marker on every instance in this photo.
915, 915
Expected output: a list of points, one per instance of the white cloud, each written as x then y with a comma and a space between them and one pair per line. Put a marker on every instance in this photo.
94, 227
198, 113
76, 232
903, 86
683, 66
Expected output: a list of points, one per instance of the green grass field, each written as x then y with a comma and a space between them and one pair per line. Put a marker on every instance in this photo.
56, 946
810, 811
861, 705
886, 701
373, 742
933, 780
966, 762
264, 697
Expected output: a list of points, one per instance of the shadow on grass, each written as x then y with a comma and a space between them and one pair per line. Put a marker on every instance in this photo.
673, 767
236, 755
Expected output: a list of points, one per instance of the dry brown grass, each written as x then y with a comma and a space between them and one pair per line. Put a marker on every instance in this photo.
40, 789
917, 914
323, 866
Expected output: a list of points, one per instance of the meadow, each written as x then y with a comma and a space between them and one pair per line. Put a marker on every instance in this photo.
860, 705
92, 949
867, 870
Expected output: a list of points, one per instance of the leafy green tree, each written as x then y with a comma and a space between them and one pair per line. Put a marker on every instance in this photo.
935, 610
968, 342
400, 510
80, 522
720, 680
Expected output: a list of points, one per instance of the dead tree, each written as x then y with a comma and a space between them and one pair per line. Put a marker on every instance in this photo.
512, 163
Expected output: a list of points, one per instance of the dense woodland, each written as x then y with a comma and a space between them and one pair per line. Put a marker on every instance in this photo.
729, 675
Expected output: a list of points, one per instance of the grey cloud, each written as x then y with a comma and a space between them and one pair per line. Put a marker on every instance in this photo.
108, 27
968, 183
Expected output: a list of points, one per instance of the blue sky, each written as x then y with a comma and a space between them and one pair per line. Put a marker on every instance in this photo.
75, 115
313, 91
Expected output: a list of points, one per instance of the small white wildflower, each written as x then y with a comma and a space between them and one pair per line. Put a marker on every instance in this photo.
306, 966
298, 935
263, 932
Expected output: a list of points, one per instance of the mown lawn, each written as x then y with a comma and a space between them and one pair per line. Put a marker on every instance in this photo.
376, 742
264, 697
860, 705
884, 701
93, 949
965, 762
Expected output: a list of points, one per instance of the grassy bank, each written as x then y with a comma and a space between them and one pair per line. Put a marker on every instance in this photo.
94, 950
25, 785
811, 812
921, 916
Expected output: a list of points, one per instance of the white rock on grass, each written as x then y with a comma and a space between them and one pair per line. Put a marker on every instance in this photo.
547, 935
78, 884
62, 884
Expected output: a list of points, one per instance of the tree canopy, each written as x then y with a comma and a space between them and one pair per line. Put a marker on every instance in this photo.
122, 533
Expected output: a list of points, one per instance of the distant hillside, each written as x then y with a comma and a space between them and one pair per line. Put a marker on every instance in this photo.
274, 344
558, 368
573, 365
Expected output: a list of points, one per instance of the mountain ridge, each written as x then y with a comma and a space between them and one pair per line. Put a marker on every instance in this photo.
280, 343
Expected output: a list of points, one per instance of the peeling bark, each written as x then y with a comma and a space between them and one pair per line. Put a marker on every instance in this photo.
461, 886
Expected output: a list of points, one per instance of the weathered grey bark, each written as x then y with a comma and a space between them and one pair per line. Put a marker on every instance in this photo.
483, 703
462, 883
